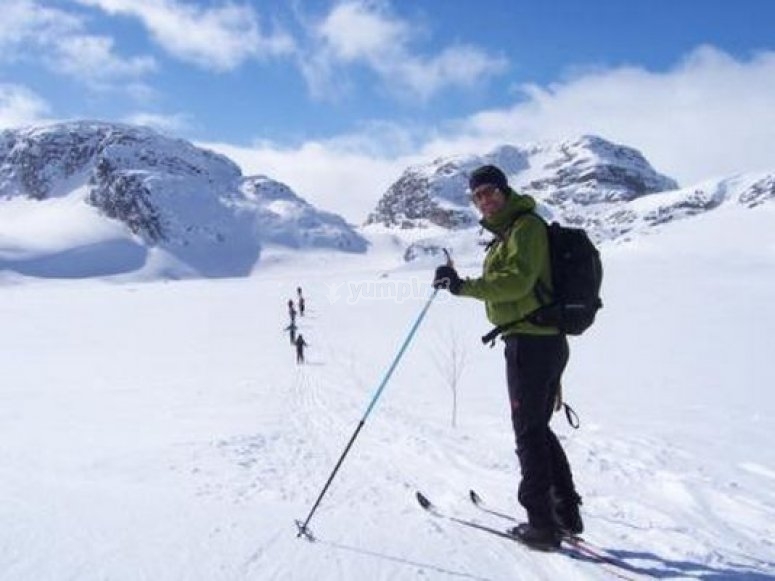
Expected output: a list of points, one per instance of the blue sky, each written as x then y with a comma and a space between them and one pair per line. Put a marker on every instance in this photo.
340, 95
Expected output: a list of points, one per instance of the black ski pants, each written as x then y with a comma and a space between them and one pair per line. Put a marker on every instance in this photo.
534, 366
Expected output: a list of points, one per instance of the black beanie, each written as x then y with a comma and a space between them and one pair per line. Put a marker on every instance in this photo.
488, 174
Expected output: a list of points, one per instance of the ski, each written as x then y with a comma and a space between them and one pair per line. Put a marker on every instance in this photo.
432, 509
479, 503
600, 555
571, 549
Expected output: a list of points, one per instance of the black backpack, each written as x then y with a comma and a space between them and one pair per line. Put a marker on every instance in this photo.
577, 274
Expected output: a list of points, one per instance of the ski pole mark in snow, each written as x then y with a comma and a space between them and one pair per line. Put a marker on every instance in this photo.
423, 569
758, 469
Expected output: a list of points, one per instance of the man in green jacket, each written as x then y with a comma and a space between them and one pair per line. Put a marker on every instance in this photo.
516, 270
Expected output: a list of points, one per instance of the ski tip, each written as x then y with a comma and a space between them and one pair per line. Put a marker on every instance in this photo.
423, 500
303, 532
475, 498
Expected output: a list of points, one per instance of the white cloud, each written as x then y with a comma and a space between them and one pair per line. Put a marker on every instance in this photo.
462, 66
91, 58
219, 38
354, 33
357, 32
170, 124
346, 174
21, 106
333, 176
26, 21
30, 31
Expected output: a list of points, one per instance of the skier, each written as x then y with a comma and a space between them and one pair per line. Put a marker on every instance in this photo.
300, 300
291, 311
536, 356
300, 345
292, 332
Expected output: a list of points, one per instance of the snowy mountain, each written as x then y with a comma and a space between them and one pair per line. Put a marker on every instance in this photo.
93, 199
567, 176
285, 219
86, 199
644, 213
611, 190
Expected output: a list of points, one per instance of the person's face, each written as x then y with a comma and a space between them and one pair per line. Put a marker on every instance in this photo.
488, 199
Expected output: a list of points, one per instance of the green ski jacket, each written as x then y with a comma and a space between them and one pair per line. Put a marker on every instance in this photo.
517, 260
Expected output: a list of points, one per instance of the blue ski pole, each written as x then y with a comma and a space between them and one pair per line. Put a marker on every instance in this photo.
302, 526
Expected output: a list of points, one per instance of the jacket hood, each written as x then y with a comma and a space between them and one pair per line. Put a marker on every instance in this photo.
516, 204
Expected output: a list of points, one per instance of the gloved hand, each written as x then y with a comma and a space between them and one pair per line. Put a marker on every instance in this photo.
446, 277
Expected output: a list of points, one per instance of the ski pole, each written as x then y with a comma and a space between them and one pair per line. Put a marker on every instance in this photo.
303, 526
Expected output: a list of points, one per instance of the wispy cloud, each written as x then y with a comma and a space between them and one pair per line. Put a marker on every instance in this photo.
21, 106
354, 34
92, 58
30, 31
361, 33
172, 124
330, 174
356, 31
27, 21
219, 38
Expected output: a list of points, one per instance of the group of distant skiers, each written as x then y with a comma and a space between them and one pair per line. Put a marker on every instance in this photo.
296, 340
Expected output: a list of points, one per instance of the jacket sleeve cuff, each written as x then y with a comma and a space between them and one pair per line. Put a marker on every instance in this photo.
465, 288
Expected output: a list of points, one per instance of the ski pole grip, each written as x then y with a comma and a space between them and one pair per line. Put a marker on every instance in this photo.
449, 257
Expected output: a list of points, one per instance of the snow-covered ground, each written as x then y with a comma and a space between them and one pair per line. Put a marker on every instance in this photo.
163, 431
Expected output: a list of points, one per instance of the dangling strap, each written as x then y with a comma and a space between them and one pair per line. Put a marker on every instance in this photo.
492, 336
571, 416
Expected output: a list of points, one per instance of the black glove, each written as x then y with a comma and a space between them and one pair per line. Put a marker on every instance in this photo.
446, 277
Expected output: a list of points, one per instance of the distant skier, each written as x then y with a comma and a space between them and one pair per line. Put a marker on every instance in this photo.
300, 301
291, 311
300, 345
292, 332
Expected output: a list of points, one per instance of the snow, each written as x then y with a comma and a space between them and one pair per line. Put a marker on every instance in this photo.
162, 430
32, 227
63, 237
